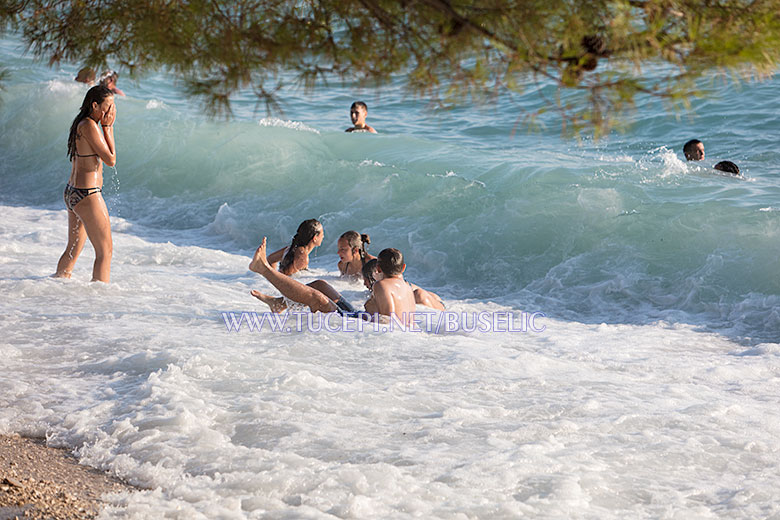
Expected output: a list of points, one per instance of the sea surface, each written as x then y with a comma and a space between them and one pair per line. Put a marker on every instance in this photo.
627, 364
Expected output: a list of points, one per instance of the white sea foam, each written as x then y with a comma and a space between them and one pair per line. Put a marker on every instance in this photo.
616, 158
581, 420
369, 162
672, 164
451, 174
292, 125
64, 87
650, 394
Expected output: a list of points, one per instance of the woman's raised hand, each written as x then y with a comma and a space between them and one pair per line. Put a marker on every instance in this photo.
109, 117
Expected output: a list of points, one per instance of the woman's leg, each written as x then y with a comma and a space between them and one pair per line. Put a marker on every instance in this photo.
278, 304
326, 289
93, 213
76, 238
292, 289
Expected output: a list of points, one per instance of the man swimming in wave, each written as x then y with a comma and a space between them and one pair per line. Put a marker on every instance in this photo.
392, 296
357, 113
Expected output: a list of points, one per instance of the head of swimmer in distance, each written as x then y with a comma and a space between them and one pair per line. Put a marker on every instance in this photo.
358, 112
694, 150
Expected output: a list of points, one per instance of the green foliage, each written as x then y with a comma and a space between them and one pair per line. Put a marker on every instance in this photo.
448, 50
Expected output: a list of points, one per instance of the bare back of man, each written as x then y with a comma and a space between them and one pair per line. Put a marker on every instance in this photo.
393, 297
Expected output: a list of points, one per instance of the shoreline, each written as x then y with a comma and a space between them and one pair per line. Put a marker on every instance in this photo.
37, 481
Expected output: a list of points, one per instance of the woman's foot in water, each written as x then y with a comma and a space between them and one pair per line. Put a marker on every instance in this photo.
276, 304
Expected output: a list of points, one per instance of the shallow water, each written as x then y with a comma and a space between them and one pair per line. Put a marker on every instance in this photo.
650, 393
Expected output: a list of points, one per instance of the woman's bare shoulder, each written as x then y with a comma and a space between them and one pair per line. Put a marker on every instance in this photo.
87, 128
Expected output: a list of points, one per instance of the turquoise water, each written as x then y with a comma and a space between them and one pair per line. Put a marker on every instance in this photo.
651, 392
618, 231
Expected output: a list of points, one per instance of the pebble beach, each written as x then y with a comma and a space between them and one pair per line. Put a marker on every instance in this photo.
40, 482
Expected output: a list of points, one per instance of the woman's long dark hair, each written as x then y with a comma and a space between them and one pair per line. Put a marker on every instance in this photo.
94, 95
356, 240
305, 234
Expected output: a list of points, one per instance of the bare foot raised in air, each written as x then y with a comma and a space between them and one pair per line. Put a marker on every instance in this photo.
276, 304
259, 263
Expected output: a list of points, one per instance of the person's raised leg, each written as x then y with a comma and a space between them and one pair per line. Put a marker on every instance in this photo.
292, 289
77, 236
93, 213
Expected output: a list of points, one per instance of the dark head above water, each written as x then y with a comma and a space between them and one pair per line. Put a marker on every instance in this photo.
391, 262
369, 272
85, 75
728, 167
694, 150
308, 230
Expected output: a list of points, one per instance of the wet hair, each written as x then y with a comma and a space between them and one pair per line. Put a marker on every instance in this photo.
108, 75
96, 94
391, 261
689, 148
305, 234
85, 75
368, 271
359, 241
728, 167
359, 104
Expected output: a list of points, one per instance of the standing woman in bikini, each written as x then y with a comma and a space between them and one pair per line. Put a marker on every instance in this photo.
90, 144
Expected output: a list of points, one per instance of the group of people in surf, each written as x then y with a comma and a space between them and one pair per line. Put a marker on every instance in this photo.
91, 144
694, 151
390, 294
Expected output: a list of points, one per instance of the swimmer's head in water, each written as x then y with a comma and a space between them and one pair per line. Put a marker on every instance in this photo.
352, 246
370, 274
97, 102
391, 262
694, 150
728, 167
108, 76
309, 232
85, 75
358, 112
